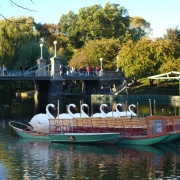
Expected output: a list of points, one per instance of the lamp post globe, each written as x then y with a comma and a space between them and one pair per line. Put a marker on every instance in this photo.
55, 42
101, 59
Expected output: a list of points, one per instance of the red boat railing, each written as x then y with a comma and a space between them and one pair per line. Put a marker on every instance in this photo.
149, 126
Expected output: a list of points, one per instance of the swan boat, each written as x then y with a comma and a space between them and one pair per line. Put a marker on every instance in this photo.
147, 131
153, 130
28, 132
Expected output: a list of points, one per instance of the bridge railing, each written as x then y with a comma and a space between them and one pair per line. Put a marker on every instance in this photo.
33, 68
45, 71
82, 74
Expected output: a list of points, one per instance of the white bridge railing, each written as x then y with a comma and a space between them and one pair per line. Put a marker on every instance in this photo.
81, 74
45, 71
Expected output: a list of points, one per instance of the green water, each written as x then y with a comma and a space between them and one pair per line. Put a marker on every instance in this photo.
22, 159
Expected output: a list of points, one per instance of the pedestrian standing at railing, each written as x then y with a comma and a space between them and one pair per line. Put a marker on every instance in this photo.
64, 71
111, 88
81, 70
84, 70
21, 69
4, 70
97, 70
72, 70
68, 70
88, 70
26, 70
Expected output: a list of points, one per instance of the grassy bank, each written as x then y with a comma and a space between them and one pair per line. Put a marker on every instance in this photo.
142, 86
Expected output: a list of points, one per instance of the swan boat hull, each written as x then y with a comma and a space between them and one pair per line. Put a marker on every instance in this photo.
85, 138
142, 140
170, 138
28, 132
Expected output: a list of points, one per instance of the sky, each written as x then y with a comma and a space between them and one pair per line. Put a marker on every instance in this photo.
161, 14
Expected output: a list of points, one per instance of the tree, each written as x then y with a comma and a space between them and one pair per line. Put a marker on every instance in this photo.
139, 28
29, 53
173, 34
48, 32
137, 58
147, 57
94, 22
90, 54
14, 36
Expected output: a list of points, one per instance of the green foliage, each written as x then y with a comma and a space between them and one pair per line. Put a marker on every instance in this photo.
139, 27
90, 54
137, 59
15, 34
147, 57
28, 54
94, 22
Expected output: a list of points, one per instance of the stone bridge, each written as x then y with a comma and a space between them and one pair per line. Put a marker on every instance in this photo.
49, 77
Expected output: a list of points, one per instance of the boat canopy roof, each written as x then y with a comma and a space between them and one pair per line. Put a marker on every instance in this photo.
169, 75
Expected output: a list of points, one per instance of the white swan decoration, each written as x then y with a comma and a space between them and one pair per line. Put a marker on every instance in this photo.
47, 110
82, 114
102, 113
114, 113
40, 122
130, 112
68, 115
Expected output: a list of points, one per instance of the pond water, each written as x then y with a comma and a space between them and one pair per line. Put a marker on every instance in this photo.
22, 159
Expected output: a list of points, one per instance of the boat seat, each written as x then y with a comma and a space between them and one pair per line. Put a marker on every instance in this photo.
99, 125
119, 126
88, 125
80, 124
66, 125
52, 125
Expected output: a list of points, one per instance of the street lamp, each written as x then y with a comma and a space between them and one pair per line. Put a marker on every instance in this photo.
101, 59
55, 42
41, 45
117, 64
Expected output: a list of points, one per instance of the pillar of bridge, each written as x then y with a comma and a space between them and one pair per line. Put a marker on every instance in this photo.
41, 63
55, 86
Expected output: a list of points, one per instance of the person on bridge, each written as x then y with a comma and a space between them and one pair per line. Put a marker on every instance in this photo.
4, 70
88, 70
81, 70
21, 69
63, 71
26, 70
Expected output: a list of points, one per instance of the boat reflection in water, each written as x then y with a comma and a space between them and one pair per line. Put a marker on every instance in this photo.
86, 149
77, 161
148, 149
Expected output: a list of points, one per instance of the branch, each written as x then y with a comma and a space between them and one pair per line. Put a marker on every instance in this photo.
12, 2
15, 24
13, 21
